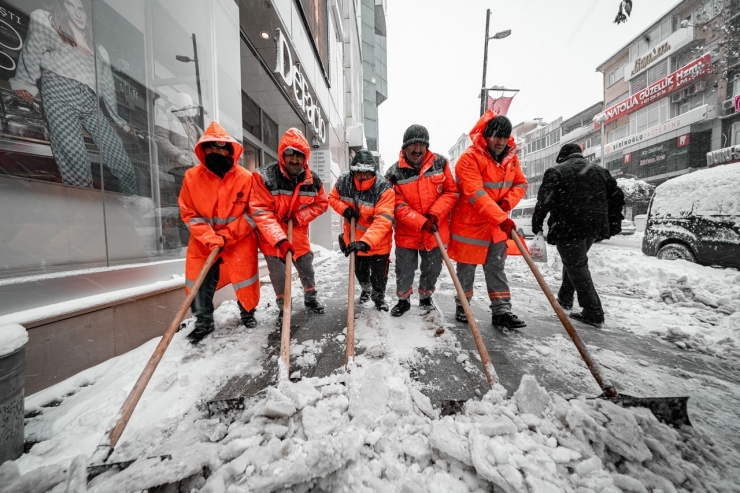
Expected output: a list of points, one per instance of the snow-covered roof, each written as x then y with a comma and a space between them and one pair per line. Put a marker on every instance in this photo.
714, 190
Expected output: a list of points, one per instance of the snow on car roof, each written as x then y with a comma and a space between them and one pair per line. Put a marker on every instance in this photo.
714, 190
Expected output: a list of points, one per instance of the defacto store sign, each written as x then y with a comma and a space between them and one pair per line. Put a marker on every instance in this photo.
693, 116
723, 156
295, 79
678, 80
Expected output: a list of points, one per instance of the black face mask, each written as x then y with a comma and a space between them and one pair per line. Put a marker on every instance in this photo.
219, 164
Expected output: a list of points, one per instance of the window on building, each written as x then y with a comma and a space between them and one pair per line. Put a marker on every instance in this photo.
649, 116
735, 134
736, 86
654, 38
617, 99
666, 28
638, 83
618, 133
657, 72
615, 75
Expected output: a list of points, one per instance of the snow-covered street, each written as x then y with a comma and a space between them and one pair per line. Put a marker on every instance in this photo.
673, 328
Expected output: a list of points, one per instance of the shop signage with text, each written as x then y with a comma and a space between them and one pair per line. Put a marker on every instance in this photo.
679, 79
295, 79
670, 45
723, 156
693, 116
644, 62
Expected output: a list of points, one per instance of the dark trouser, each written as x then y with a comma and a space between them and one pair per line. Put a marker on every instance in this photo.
406, 262
496, 282
304, 266
202, 306
372, 273
577, 277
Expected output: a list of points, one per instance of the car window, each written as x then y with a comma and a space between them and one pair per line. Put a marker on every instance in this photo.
527, 213
516, 213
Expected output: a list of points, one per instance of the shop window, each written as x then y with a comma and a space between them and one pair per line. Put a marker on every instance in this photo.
735, 134
270, 135
251, 156
251, 116
736, 86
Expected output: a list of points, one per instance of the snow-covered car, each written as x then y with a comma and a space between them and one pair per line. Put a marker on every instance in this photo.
628, 227
696, 217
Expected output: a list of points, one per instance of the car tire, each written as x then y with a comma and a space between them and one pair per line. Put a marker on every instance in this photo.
675, 251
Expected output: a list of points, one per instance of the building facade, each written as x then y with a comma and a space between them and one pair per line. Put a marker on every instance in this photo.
374, 66
666, 93
540, 147
462, 143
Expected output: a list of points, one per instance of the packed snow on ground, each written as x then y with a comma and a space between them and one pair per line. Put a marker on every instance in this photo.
12, 338
710, 191
369, 430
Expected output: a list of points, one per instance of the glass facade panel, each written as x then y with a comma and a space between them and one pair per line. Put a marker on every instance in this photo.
251, 156
251, 116
99, 113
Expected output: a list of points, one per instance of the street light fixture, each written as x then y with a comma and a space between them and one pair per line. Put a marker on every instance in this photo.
498, 35
187, 59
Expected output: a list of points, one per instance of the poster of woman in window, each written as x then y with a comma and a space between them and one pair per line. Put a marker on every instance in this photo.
59, 100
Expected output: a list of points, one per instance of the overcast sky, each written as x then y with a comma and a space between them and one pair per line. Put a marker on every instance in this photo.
435, 60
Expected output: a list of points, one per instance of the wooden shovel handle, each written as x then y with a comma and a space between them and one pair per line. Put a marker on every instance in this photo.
582, 350
349, 353
111, 439
485, 360
287, 298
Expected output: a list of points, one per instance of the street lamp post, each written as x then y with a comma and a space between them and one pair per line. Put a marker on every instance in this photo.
498, 35
187, 59
600, 119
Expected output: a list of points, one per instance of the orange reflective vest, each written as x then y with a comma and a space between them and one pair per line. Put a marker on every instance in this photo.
482, 183
374, 199
276, 198
419, 193
216, 212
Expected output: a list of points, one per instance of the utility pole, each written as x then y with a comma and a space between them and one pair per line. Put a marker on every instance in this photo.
483, 98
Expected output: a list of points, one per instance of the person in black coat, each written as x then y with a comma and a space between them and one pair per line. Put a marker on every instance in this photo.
585, 205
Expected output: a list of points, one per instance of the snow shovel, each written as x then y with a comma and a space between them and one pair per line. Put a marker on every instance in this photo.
670, 410
485, 360
285, 334
98, 460
349, 353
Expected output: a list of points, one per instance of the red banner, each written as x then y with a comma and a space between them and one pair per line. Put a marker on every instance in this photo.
500, 106
676, 81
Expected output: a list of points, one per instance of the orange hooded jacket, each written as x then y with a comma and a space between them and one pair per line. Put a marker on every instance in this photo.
483, 182
419, 193
276, 198
374, 199
217, 214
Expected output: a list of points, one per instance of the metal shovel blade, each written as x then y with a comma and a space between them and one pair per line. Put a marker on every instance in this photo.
669, 410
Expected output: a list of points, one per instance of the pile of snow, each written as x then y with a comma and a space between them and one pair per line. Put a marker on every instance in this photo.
635, 190
12, 338
713, 191
379, 433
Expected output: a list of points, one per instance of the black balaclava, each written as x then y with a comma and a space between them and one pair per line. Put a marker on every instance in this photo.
218, 164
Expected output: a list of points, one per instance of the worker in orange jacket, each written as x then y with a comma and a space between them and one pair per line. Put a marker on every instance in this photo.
425, 195
369, 199
288, 189
491, 182
214, 206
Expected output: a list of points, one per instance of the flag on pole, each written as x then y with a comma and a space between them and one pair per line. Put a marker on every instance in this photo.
500, 106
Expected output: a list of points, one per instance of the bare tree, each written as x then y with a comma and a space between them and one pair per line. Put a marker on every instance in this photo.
625, 7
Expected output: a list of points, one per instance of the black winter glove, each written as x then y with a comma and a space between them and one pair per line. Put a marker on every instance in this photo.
342, 244
349, 213
356, 246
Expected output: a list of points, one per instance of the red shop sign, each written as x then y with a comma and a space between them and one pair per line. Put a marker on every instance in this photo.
679, 79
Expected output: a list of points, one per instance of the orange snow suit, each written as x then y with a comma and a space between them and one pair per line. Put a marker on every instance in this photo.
374, 199
483, 182
276, 198
419, 193
216, 212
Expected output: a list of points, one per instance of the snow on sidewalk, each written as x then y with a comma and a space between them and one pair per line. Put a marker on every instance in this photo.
370, 431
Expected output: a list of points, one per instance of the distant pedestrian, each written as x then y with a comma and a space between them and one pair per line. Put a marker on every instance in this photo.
214, 205
369, 199
491, 183
425, 195
585, 205
288, 190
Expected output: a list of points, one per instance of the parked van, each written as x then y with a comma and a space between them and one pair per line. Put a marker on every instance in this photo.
696, 217
522, 216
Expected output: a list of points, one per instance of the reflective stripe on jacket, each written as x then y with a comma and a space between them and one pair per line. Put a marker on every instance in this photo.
217, 213
420, 192
483, 182
276, 197
375, 202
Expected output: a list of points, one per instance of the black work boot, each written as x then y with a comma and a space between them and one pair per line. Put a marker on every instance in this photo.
426, 304
248, 319
507, 320
365, 296
314, 306
199, 333
594, 321
460, 314
381, 306
401, 307
564, 305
